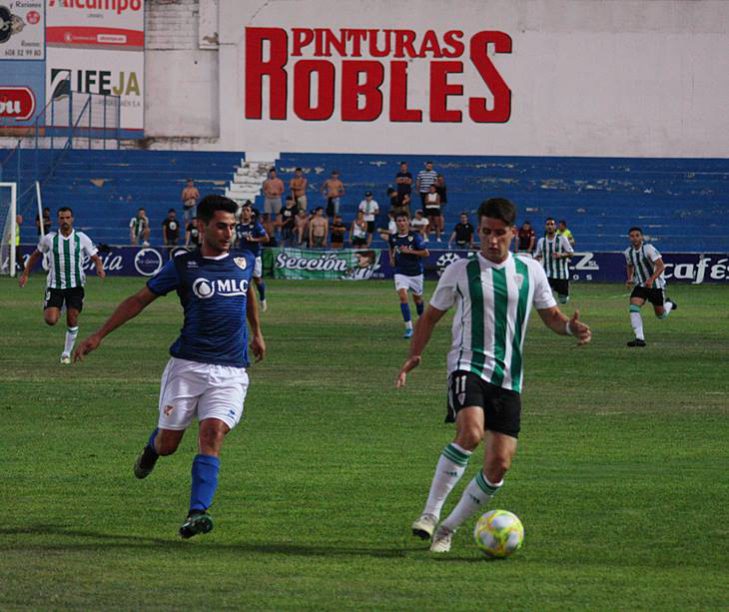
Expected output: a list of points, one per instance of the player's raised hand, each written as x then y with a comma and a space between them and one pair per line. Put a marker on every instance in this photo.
410, 364
258, 347
90, 344
579, 329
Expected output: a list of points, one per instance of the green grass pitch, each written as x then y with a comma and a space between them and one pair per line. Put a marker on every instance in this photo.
620, 478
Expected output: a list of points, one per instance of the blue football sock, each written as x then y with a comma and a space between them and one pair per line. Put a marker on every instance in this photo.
420, 307
150, 442
262, 291
405, 308
204, 481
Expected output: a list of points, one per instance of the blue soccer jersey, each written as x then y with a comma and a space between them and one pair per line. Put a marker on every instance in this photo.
213, 295
406, 264
243, 231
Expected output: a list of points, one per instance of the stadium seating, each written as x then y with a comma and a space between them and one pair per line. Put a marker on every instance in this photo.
680, 203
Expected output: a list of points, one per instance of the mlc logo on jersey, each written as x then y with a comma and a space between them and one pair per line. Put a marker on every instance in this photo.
205, 289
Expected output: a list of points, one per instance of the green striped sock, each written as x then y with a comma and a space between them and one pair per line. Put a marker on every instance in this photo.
477, 494
451, 467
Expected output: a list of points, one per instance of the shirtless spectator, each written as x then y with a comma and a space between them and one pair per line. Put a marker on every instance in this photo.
190, 195
333, 190
301, 228
358, 232
337, 231
404, 182
318, 229
298, 185
273, 189
287, 221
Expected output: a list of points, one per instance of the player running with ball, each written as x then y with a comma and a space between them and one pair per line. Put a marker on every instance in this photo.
206, 375
493, 294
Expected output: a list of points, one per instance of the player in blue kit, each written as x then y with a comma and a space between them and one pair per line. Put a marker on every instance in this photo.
407, 251
206, 374
250, 235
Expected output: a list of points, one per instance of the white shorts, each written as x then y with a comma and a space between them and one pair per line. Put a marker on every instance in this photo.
414, 284
205, 390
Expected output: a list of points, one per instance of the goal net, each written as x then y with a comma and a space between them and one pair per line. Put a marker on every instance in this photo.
8, 212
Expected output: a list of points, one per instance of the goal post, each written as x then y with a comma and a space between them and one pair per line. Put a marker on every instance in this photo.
9, 239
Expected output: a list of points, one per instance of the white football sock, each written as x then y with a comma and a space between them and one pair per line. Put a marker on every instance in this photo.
451, 466
71, 334
475, 497
637, 322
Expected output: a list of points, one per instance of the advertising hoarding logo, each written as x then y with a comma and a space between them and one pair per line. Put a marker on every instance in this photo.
9, 24
16, 103
148, 262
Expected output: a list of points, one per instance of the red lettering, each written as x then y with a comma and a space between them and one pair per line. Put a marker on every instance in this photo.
404, 43
324, 108
399, 110
440, 89
352, 89
385, 51
478, 107
303, 37
430, 44
257, 69
357, 37
452, 39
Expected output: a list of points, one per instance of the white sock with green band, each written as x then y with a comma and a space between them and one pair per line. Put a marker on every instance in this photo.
451, 466
477, 494
71, 334
636, 321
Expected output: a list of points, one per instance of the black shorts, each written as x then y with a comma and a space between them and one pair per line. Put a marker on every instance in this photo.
655, 296
73, 298
560, 285
432, 212
358, 242
501, 407
370, 227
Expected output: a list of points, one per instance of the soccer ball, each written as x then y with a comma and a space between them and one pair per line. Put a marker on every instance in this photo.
499, 533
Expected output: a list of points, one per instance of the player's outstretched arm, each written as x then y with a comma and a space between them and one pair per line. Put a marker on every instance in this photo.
100, 272
423, 331
560, 324
23, 278
258, 344
128, 309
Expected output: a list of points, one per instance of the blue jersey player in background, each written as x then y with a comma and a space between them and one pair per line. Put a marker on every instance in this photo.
206, 374
250, 235
407, 253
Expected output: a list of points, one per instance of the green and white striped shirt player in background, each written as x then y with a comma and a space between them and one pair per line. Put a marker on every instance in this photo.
554, 251
645, 275
66, 250
493, 294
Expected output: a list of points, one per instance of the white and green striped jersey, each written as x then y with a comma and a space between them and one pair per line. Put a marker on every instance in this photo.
493, 303
643, 262
66, 258
546, 248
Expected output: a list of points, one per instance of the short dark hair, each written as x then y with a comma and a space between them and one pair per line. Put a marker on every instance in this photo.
289, 198
498, 208
635, 228
402, 214
211, 204
549, 219
64, 209
562, 221
171, 210
298, 170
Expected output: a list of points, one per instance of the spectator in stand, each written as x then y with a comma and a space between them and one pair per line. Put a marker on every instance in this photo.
358, 233
298, 185
562, 230
426, 178
371, 209
526, 239
273, 189
462, 235
139, 228
318, 229
192, 234
301, 228
170, 229
337, 231
442, 189
190, 195
419, 224
391, 228
333, 190
46, 222
404, 182
432, 211
287, 220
